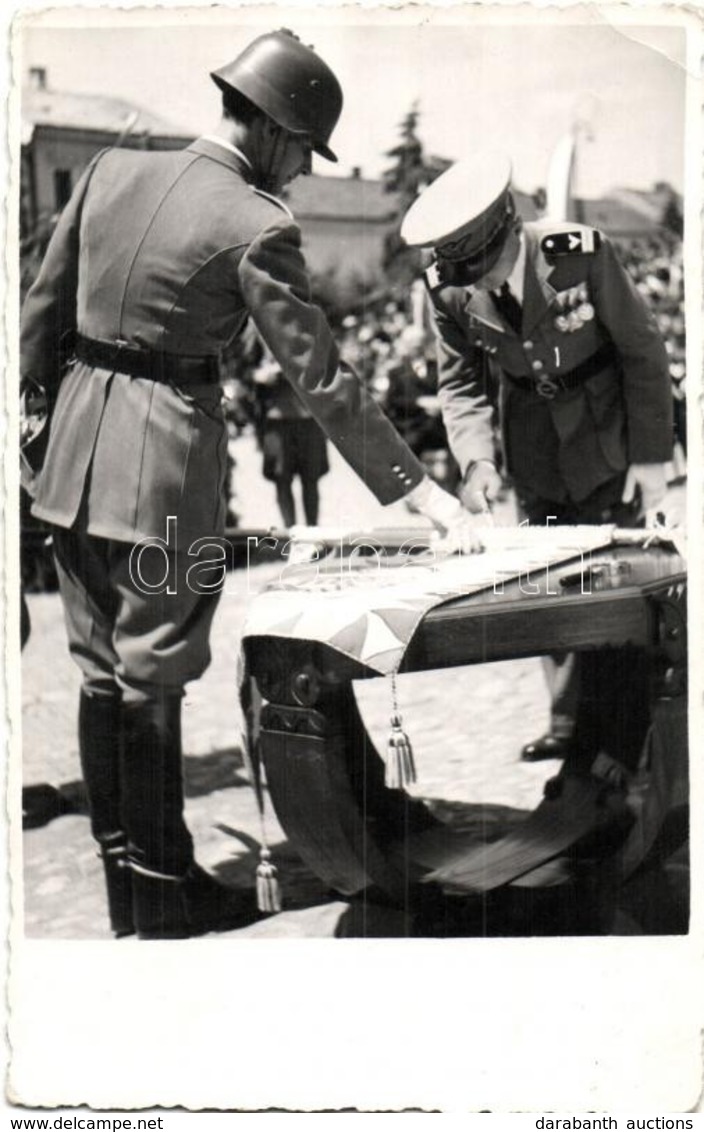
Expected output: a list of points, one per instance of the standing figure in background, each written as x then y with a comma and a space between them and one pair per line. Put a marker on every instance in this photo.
292, 442
411, 403
155, 265
585, 399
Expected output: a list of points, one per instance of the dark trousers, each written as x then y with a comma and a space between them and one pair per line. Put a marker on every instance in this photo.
564, 670
138, 631
135, 618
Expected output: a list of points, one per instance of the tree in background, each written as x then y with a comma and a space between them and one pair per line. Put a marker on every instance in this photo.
411, 170
407, 173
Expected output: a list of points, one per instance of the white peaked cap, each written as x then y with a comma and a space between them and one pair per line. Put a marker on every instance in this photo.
459, 200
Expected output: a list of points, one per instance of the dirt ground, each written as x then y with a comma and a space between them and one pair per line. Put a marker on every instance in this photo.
467, 726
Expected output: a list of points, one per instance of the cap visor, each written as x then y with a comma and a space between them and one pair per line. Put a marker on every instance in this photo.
324, 151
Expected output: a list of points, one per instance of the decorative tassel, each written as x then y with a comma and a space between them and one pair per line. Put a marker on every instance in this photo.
268, 890
400, 766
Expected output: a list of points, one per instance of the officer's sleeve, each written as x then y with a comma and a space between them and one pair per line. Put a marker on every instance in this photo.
466, 410
647, 387
48, 320
275, 286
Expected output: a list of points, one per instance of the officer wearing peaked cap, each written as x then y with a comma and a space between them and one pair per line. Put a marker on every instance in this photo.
466, 212
155, 265
584, 392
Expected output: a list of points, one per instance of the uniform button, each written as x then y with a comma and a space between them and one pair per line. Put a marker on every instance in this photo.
478, 342
396, 468
537, 364
528, 345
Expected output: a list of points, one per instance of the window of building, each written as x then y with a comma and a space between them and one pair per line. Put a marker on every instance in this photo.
62, 187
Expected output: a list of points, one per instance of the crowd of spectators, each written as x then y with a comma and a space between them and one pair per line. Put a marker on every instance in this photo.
389, 343
656, 267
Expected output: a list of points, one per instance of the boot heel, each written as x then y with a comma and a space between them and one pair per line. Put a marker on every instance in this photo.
118, 884
158, 906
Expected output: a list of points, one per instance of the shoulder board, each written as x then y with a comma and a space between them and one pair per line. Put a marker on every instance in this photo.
274, 200
579, 240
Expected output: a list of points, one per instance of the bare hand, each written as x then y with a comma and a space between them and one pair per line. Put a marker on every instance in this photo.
481, 487
652, 481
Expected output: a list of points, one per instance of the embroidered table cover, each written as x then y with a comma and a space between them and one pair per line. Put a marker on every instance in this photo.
369, 607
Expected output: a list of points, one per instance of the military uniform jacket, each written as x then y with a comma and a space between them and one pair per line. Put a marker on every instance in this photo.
171, 252
563, 447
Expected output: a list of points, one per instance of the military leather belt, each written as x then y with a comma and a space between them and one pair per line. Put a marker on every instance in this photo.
171, 369
549, 384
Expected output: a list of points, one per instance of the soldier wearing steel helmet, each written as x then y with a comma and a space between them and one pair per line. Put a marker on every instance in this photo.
157, 261
584, 394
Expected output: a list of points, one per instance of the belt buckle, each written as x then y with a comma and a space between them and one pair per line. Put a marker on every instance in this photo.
546, 387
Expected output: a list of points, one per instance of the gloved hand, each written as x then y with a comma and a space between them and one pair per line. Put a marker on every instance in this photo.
446, 514
652, 481
34, 415
481, 486
34, 410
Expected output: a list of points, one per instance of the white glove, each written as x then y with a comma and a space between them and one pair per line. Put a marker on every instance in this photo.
652, 481
446, 514
481, 486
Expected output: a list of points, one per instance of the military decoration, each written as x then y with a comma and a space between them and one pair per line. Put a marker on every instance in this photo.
575, 309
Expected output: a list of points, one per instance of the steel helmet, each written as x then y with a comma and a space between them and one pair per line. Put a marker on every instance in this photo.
288, 82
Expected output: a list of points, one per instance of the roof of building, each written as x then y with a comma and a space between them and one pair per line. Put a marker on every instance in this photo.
352, 198
356, 198
46, 107
340, 198
619, 213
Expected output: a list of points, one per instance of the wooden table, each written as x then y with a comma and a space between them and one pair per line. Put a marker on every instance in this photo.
325, 778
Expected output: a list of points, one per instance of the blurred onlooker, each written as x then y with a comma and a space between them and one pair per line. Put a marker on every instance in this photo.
383, 341
412, 404
656, 267
292, 442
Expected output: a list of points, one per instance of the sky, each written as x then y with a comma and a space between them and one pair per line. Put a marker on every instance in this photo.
479, 77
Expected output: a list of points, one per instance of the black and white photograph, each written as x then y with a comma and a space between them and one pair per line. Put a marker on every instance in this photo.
350, 501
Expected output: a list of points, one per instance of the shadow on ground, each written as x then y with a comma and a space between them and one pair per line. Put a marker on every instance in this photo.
218, 770
654, 901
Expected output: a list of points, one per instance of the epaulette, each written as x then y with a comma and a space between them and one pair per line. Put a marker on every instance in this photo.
581, 240
274, 200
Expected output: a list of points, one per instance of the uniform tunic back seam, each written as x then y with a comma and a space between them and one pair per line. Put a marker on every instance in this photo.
194, 275
143, 237
140, 479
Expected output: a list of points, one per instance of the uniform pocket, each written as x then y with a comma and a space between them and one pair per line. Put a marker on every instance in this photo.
604, 398
205, 473
181, 463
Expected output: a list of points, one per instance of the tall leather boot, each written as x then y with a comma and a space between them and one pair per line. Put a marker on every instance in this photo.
118, 882
99, 737
173, 897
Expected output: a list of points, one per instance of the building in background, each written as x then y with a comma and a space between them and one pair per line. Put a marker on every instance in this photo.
345, 221
62, 131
